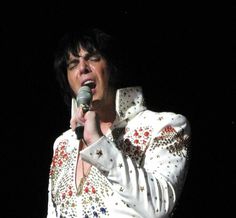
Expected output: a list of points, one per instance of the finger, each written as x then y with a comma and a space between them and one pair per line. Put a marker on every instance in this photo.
78, 118
73, 123
85, 107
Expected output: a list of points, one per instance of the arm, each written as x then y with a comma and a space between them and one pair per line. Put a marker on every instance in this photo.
51, 213
153, 187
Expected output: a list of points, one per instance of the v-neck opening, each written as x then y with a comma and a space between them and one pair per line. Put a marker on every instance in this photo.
77, 183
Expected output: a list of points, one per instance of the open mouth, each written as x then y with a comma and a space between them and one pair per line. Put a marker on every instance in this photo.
91, 84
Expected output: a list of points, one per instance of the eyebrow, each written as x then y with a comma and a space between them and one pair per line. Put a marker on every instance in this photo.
72, 61
75, 58
87, 54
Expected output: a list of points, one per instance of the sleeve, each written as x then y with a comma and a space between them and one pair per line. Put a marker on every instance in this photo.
153, 187
51, 210
51, 213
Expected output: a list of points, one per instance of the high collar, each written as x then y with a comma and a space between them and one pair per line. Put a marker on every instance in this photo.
129, 102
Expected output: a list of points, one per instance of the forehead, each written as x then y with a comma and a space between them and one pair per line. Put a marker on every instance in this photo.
81, 52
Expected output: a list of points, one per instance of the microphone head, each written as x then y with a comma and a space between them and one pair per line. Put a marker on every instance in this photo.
84, 95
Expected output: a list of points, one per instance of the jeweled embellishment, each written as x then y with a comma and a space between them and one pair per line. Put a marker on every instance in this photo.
175, 142
99, 153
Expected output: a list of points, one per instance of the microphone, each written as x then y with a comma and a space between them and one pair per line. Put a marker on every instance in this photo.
83, 99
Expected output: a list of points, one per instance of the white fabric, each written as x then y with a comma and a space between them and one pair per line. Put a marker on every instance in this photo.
138, 168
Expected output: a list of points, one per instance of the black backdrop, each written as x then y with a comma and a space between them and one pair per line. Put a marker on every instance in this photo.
180, 51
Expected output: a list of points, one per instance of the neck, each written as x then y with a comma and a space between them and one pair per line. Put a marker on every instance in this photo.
106, 112
107, 116
105, 108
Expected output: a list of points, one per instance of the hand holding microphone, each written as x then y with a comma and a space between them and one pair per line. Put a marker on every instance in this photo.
85, 122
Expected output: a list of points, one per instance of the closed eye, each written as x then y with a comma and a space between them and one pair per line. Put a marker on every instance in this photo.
88, 57
72, 64
95, 57
92, 57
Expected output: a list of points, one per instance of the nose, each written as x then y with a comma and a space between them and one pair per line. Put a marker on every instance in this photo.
84, 67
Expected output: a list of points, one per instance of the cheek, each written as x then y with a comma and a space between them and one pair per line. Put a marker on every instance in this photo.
72, 81
105, 75
69, 78
105, 80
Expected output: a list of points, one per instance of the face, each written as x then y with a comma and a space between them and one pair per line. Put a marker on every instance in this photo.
89, 69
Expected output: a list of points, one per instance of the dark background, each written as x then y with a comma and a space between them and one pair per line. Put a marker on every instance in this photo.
185, 61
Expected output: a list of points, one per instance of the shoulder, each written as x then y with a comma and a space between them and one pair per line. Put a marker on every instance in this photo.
162, 119
65, 139
174, 118
158, 116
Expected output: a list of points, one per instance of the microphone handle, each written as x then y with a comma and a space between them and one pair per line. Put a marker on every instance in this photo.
79, 130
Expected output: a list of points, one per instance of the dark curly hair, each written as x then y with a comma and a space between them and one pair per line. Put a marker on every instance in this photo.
91, 40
